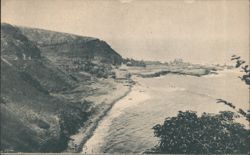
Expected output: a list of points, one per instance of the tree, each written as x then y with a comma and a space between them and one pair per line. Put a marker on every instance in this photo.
240, 63
244, 68
188, 133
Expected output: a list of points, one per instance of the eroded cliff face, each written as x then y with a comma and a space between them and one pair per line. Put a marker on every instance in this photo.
54, 44
36, 115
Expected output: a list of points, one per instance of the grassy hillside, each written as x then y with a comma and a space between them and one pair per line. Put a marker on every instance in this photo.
54, 44
40, 108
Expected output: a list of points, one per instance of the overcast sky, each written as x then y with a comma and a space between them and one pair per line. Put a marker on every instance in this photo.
207, 31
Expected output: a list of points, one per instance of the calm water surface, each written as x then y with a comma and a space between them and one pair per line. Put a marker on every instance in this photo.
128, 126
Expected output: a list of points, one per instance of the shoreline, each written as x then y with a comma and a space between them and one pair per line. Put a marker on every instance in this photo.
118, 132
78, 140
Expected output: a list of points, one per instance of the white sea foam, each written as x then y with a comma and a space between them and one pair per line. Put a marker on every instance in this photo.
135, 97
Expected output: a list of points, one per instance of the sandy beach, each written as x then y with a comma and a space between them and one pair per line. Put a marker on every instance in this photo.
107, 94
136, 96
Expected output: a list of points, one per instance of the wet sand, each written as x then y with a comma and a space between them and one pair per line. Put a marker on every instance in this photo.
103, 101
133, 98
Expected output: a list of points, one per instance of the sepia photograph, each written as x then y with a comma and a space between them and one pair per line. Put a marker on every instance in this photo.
125, 77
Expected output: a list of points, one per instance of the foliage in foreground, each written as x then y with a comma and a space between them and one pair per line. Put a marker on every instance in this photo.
188, 133
244, 68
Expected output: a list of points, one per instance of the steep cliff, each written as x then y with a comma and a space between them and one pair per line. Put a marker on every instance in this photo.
39, 111
54, 44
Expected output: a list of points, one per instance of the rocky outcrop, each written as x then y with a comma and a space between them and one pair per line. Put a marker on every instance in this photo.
192, 72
